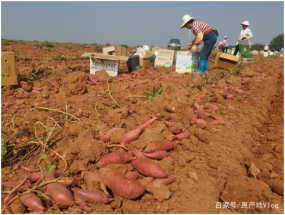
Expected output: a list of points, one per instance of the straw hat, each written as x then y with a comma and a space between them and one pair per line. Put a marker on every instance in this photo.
245, 23
186, 19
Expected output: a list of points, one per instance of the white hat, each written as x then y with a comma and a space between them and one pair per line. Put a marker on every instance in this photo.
245, 23
186, 19
226, 37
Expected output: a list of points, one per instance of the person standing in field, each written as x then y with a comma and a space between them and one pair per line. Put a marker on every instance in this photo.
266, 48
223, 45
245, 35
203, 33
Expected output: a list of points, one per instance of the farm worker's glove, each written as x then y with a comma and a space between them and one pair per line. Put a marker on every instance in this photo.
190, 45
194, 49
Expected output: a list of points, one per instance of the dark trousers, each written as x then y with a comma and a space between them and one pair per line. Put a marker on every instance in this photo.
209, 41
236, 50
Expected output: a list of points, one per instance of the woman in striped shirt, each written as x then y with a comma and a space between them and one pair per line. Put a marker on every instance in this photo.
203, 33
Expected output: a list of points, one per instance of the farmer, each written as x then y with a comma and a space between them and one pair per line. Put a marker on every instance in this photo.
245, 35
223, 45
203, 33
266, 48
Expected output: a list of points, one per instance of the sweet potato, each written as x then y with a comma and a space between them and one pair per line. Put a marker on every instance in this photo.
229, 81
60, 195
201, 113
164, 181
37, 88
36, 91
115, 158
7, 211
168, 123
200, 121
147, 123
93, 196
32, 201
90, 177
8, 198
120, 185
38, 176
134, 134
13, 184
131, 136
160, 145
148, 167
29, 169
210, 106
240, 91
132, 176
156, 155
106, 137
230, 96
184, 135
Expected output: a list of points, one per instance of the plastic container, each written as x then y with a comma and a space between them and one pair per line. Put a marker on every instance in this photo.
133, 63
244, 49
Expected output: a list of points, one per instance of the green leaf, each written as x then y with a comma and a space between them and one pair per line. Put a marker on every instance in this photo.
3, 148
50, 167
43, 156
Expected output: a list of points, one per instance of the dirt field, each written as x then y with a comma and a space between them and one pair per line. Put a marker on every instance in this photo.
232, 162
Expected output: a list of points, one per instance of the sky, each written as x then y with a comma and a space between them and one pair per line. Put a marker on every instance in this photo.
137, 23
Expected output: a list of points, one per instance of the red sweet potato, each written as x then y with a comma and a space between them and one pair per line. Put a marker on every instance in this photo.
147, 123
37, 88
229, 81
131, 136
160, 145
240, 91
196, 106
184, 135
38, 176
134, 134
210, 106
132, 176
8, 198
106, 137
32, 201
13, 184
90, 177
200, 121
230, 96
115, 158
148, 167
120, 185
156, 155
168, 123
201, 113
29, 169
93, 196
164, 181
36, 91
60, 195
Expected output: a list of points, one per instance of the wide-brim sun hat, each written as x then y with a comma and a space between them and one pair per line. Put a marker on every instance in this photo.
186, 18
245, 23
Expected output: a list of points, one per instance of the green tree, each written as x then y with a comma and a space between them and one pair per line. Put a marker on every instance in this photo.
277, 42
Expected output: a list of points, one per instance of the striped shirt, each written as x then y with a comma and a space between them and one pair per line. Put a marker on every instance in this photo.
200, 27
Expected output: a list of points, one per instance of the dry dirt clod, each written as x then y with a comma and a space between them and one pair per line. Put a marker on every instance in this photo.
253, 171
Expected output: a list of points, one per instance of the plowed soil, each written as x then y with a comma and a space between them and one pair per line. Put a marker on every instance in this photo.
228, 167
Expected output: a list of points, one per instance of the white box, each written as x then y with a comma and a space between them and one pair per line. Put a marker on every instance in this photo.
186, 62
110, 66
